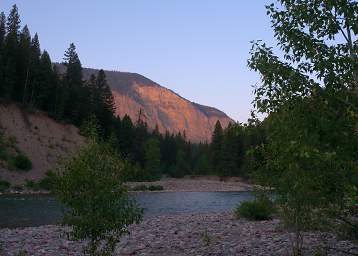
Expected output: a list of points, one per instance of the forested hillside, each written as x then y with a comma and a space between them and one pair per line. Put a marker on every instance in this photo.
28, 77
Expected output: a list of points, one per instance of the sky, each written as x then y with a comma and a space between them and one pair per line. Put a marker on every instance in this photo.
199, 49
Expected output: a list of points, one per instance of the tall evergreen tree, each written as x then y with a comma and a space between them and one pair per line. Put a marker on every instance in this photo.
104, 102
10, 51
13, 22
126, 136
2, 42
2, 30
152, 159
216, 145
229, 153
46, 93
23, 65
74, 87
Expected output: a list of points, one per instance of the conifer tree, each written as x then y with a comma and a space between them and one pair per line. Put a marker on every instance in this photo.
46, 94
73, 85
182, 165
2, 42
126, 136
10, 51
104, 101
2, 30
23, 65
152, 159
216, 145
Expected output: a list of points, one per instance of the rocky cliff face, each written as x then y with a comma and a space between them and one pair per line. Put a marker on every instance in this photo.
161, 106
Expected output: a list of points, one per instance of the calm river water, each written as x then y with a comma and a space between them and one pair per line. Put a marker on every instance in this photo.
35, 210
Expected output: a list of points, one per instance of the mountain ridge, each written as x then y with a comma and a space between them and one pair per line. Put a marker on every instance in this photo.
160, 106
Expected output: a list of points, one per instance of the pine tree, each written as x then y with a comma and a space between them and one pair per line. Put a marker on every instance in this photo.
10, 52
2, 42
202, 166
104, 102
126, 136
152, 159
2, 30
229, 153
33, 70
182, 165
216, 146
23, 65
74, 87
13, 22
46, 93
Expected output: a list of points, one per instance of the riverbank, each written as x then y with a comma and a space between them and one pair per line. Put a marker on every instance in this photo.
199, 234
186, 184
198, 184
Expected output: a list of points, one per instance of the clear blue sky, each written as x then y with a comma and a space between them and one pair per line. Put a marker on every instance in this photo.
198, 48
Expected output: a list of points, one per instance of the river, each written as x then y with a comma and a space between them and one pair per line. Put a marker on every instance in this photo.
36, 210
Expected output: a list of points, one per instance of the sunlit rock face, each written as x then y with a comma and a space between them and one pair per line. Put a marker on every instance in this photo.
160, 106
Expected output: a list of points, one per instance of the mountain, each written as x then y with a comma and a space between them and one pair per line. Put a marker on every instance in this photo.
161, 106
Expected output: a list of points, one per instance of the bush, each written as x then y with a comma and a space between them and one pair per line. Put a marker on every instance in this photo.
20, 162
98, 207
155, 187
30, 184
139, 188
260, 209
48, 182
4, 185
17, 188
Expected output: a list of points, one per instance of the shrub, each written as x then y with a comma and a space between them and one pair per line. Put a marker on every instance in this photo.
155, 187
97, 205
139, 188
31, 185
260, 209
48, 182
17, 187
4, 185
20, 162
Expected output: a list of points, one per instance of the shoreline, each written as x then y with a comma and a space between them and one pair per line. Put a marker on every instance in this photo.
186, 234
186, 184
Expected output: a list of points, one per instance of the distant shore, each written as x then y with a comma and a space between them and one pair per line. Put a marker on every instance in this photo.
194, 234
186, 184
198, 184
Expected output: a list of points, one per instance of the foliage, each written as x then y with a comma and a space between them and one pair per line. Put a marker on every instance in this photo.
216, 146
32, 185
261, 208
141, 187
152, 159
310, 96
4, 185
207, 238
98, 207
144, 187
20, 162
182, 165
48, 182
155, 187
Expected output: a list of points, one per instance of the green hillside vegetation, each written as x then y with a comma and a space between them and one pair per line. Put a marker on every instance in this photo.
11, 157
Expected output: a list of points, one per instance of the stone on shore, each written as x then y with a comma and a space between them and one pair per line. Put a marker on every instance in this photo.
199, 234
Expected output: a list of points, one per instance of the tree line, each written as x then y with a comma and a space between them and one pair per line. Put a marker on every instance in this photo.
29, 77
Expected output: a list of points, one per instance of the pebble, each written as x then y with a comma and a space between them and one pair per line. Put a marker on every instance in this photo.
199, 234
